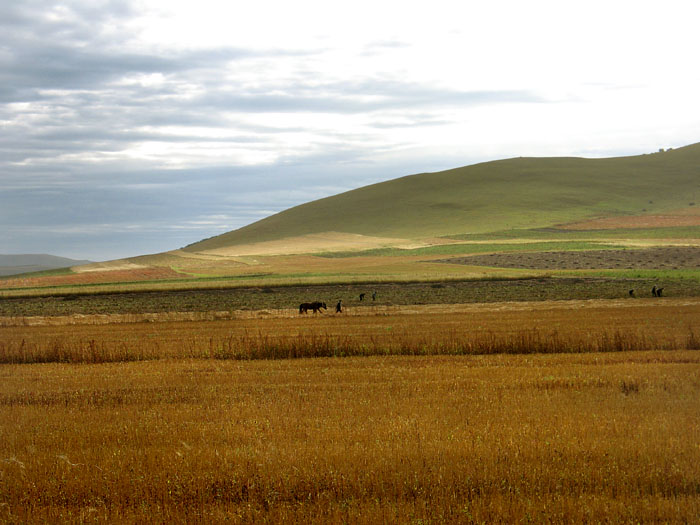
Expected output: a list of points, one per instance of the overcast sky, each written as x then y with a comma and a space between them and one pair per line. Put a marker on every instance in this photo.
133, 127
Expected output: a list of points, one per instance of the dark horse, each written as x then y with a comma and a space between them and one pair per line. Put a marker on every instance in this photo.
315, 306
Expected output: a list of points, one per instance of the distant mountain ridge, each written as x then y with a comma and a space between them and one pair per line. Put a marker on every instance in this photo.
13, 264
517, 193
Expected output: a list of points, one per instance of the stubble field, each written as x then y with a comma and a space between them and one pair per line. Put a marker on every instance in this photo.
559, 439
553, 411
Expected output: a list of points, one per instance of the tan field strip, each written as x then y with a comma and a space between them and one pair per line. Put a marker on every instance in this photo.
313, 243
536, 327
639, 306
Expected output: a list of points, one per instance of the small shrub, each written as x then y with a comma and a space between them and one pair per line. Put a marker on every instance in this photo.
693, 342
629, 387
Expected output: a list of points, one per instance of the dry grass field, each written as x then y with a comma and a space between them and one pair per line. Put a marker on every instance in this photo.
548, 412
509, 327
575, 438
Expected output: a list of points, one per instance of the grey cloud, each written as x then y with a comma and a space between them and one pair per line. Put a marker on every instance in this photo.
76, 53
145, 211
79, 136
406, 119
66, 68
74, 77
353, 97
387, 44
71, 102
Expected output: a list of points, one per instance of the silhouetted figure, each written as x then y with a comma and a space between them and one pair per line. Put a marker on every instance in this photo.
653, 291
374, 295
658, 292
339, 307
362, 296
631, 293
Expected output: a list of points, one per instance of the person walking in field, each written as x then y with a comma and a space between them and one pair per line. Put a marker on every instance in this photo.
339, 307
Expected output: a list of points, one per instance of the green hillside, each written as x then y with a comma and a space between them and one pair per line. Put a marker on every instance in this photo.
490, 197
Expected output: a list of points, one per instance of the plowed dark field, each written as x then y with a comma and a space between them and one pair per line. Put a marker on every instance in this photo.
451, 292
666, 257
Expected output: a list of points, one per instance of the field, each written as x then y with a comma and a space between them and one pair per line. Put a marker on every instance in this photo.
226, 301
549, 411
523, 327
656, 258
486, 377
616, 269
576, 438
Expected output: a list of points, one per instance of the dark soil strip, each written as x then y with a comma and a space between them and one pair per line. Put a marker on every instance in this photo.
480, 291
659, 258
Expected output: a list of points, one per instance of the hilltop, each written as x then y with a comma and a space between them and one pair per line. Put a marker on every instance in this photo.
510, 194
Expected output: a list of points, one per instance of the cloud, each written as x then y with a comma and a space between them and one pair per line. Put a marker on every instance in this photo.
164, 116
360, 97
118, 213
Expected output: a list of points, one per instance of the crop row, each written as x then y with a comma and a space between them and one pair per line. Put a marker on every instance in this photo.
61, 347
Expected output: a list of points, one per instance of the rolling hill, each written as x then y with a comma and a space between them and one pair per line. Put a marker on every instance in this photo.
24, 263
407, 229
517, 193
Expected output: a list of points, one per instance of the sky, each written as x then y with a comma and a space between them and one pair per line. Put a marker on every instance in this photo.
130, 127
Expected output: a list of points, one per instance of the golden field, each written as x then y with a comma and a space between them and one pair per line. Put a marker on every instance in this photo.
451, 329
494, 413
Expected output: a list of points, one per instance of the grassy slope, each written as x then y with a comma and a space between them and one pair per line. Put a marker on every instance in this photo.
492, 196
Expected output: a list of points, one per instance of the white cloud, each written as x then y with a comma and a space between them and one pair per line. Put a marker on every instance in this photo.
276, 103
